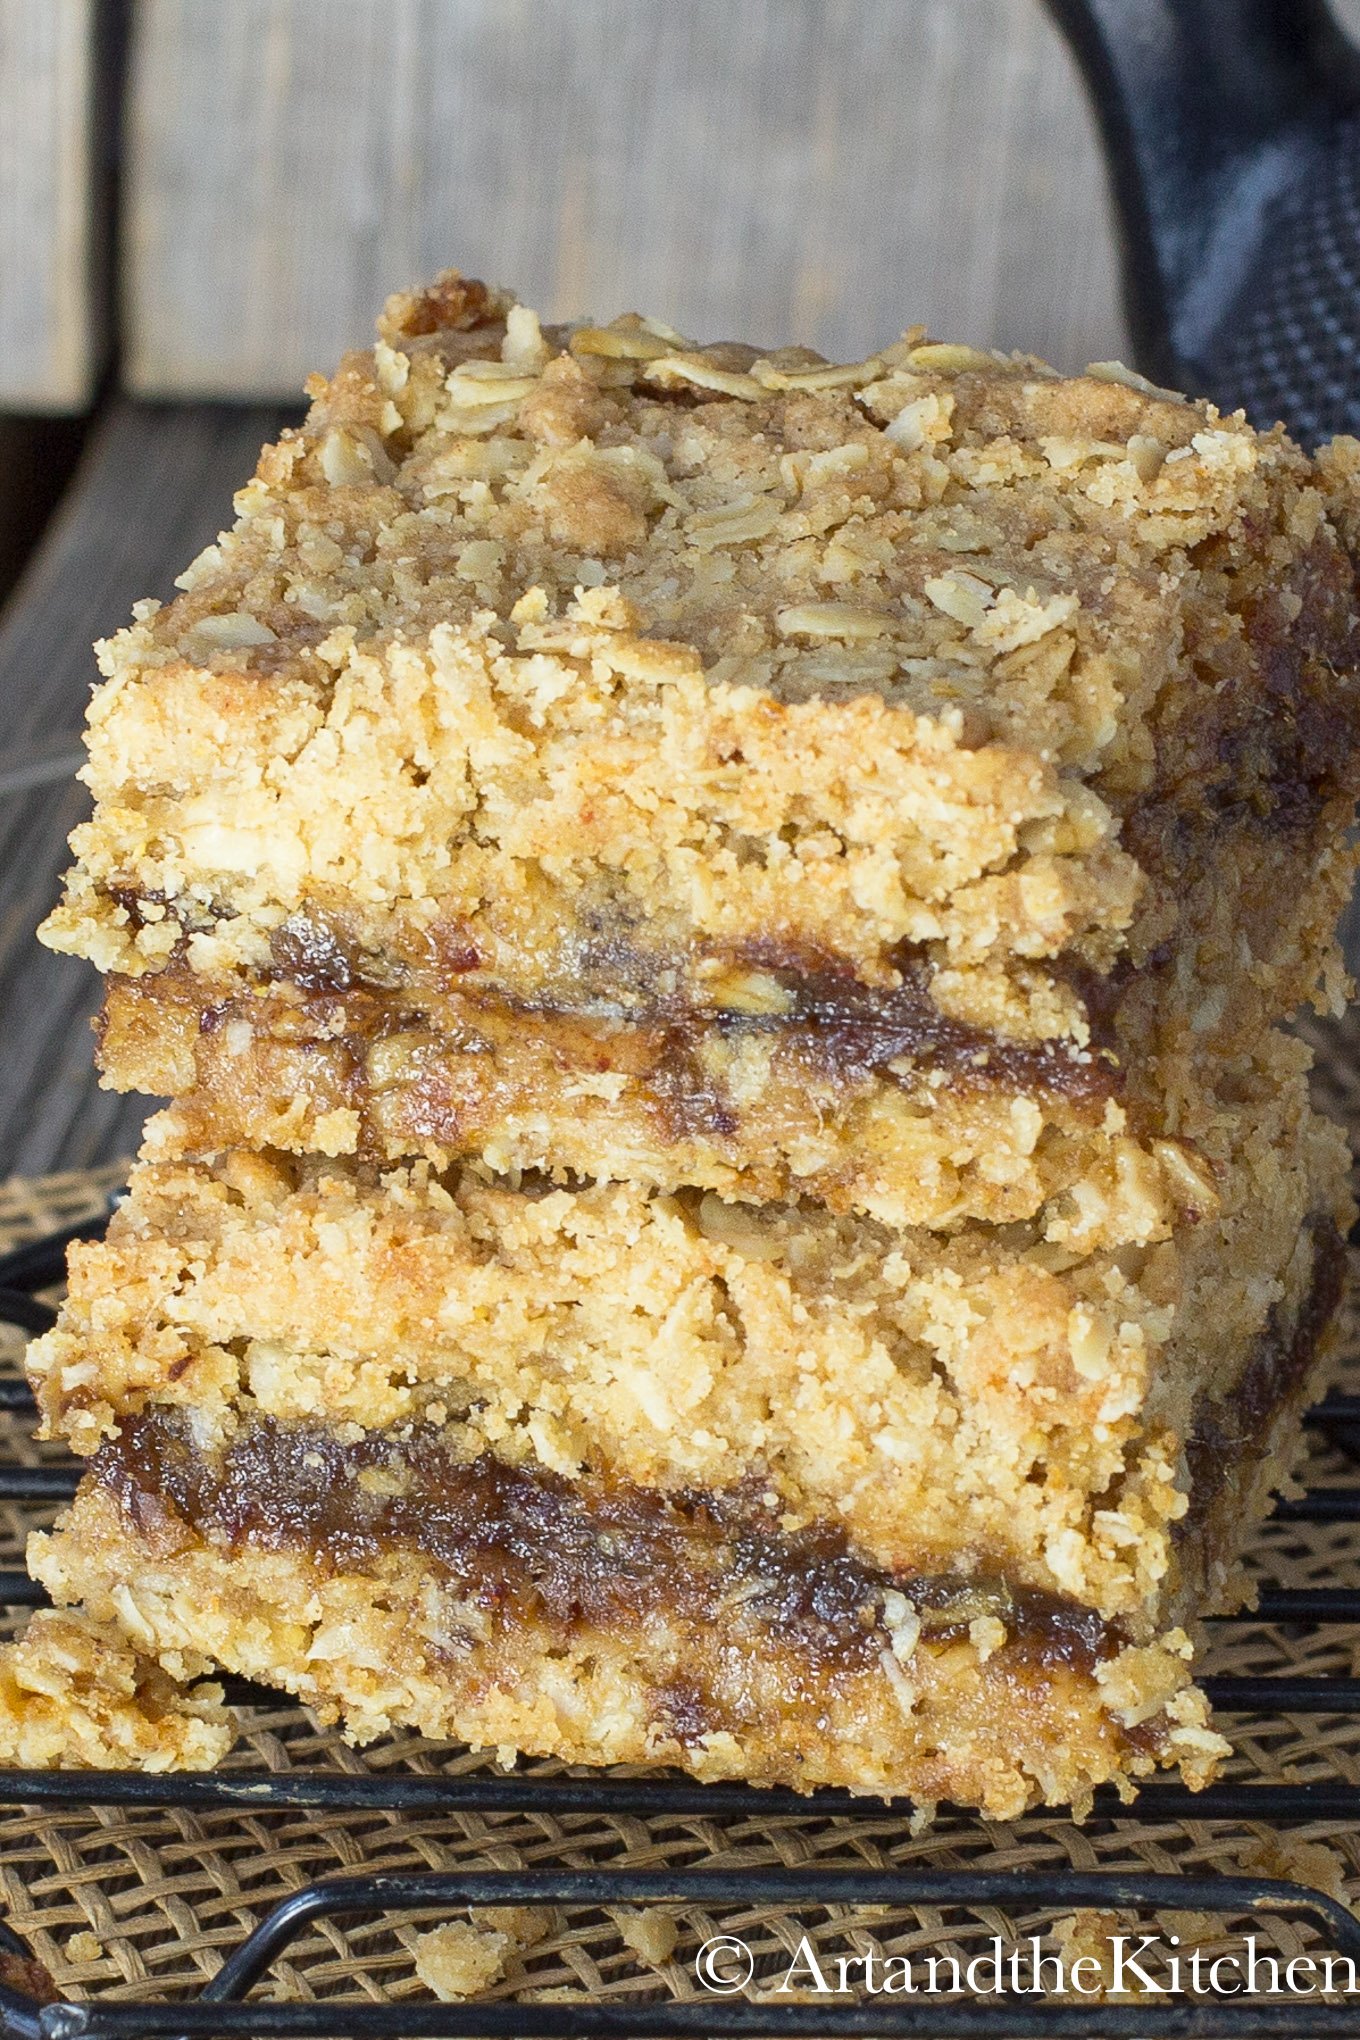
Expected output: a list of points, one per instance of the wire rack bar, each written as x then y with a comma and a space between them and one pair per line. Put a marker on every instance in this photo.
1335, 1408
1281, 1694
610, 1795
1300, 1604
40, 1263
1321, 1505
711, 2019
219, 2009
54, 1483
17, 1307
17, 1590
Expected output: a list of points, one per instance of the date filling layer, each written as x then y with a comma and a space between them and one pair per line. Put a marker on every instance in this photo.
818, 1026
525, 1545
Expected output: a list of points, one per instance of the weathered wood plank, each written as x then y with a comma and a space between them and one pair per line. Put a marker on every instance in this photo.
825, 169
50, 348
155, 485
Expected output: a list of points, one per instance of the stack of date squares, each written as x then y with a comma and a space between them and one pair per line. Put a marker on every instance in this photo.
717, 926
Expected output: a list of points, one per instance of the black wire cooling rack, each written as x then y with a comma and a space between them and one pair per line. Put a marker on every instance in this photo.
222, 2008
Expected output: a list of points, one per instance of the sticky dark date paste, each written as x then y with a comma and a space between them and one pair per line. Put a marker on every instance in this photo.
526, 1544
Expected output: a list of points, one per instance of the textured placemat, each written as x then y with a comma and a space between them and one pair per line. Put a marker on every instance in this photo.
142, 1902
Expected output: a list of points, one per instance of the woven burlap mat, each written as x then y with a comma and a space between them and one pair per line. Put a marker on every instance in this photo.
140, 1903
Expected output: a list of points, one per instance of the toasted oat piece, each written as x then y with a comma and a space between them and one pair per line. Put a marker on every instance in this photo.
461, 1959
898, 783
75, 1694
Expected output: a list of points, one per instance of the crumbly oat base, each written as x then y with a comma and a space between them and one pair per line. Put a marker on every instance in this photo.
971, 1401
76, 1695
388, 1579
963, 1716
591, 681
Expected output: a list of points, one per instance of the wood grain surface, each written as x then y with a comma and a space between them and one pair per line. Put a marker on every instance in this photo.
824, 170
155, 486
49, 344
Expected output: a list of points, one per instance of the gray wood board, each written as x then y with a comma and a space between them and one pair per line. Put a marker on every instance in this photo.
49, 347
154, 487
819, 170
